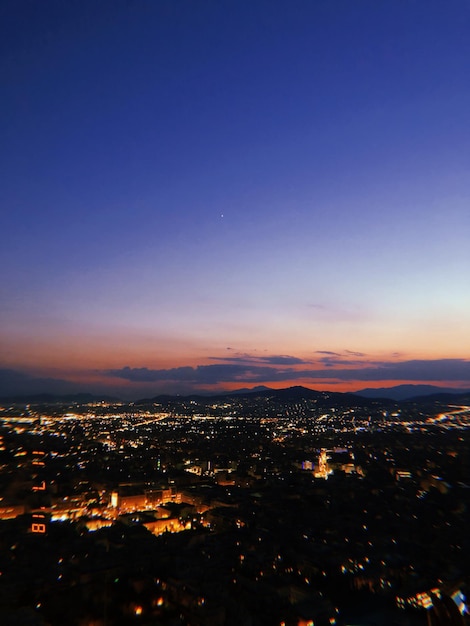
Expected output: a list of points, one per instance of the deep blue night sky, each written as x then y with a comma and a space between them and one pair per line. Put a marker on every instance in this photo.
211, 183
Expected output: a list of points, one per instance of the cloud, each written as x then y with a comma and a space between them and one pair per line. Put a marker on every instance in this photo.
328, 353
414, 370
279, 359
331, 370
420, 369
352, 353
334, 359
202, 374
335, 362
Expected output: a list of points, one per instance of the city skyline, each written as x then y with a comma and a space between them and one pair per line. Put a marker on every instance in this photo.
204, 196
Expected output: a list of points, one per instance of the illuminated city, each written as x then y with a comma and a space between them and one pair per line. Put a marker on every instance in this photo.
265, 508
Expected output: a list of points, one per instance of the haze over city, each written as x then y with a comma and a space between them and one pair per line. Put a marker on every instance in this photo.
202, 196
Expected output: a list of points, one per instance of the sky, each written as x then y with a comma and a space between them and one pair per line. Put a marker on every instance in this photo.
200, 195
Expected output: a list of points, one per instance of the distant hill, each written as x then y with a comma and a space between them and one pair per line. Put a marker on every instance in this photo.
406, 392
50, 398
247, 390
18, 387
422, 394
280, 397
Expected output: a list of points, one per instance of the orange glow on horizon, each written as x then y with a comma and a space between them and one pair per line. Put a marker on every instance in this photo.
87, 359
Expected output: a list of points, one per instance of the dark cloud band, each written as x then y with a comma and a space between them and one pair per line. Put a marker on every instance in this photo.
416, 370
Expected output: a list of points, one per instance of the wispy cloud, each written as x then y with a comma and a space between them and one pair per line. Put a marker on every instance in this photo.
279, 359
353, 353
335, 359
328, 353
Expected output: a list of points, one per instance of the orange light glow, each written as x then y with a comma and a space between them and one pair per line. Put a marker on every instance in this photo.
38, 528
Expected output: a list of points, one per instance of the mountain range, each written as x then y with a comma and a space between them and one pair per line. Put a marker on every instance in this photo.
363, 397
292, 395
408, 392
